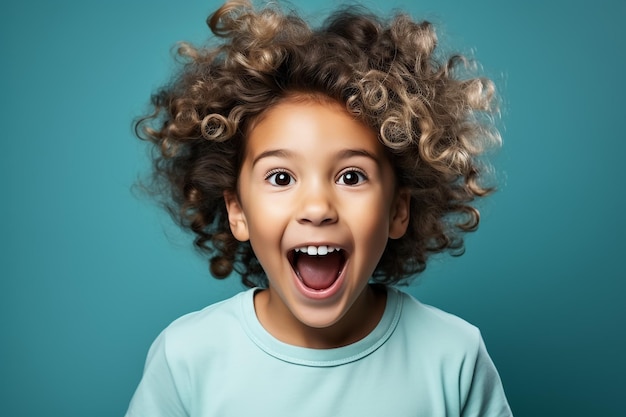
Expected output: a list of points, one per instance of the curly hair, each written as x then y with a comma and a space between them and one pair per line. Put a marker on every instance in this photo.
434, 122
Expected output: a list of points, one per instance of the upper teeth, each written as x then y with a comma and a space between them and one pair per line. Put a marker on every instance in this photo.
316, 250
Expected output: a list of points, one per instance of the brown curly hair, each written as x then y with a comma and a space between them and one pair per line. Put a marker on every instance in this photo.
434, 122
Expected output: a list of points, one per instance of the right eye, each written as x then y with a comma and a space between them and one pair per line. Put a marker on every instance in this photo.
279, 178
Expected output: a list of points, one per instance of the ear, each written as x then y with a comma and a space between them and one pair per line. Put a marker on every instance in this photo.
400, 214
236, 217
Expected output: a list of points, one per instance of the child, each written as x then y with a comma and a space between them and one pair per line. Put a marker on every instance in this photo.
323, 166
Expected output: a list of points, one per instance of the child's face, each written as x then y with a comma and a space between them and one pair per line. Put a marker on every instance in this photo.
314, 177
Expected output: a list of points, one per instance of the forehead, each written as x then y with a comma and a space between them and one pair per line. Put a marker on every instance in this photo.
310, 124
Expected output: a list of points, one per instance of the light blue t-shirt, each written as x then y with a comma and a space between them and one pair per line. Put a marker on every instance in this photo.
418, 361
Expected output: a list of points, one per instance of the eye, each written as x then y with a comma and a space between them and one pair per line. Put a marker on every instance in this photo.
351, 177
279, 178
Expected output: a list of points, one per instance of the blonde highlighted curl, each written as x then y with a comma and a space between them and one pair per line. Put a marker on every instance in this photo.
434, 123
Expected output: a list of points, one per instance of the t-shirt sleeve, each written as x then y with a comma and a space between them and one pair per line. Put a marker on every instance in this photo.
485, 394
158, 393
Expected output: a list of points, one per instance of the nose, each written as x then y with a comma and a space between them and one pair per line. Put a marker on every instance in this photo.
317, 206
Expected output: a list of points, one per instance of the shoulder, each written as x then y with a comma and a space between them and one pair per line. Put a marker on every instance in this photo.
206, 329
446, 356
222, 310
436, 329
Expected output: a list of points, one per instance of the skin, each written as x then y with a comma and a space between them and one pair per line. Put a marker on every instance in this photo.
314, 175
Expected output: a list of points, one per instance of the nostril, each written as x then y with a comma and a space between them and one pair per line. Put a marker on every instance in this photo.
326, 220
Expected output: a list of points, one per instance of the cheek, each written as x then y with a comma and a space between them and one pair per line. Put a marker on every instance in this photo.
266, 244
373, 211
371, 226
270, 212
266, 223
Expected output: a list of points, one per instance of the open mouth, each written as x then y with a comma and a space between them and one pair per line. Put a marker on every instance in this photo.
317, 267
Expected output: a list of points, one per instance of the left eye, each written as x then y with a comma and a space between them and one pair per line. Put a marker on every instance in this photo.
351, 177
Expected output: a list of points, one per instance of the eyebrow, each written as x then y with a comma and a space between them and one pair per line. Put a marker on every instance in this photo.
349, 153
280, 153
344, 154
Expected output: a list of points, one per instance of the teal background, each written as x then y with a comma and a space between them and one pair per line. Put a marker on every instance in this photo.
90, 273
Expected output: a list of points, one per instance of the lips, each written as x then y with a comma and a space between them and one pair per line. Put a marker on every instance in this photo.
317, 267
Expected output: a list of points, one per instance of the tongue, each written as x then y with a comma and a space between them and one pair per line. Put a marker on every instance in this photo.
319, 272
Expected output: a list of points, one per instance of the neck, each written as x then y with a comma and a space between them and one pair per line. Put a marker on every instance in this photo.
358, 322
